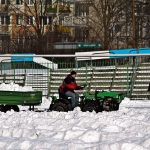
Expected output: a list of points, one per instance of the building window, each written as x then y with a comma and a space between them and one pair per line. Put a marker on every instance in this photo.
49, 20
5, 2
81, 9
7, 20
47, 2
30, 2
30, 20
4, 20
19, 20
43, 20
19, 2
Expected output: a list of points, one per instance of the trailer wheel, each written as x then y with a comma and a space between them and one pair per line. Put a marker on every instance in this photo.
60, 107
7, 108
2, 108
13, 107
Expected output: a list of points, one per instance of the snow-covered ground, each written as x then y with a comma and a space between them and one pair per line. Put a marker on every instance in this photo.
126, 129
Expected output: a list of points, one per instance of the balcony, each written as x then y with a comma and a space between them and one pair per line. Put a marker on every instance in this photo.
61, 10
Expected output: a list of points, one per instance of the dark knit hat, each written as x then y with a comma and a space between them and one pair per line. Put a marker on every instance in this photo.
73, 72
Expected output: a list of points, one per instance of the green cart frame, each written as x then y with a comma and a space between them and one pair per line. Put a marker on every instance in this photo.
11, 99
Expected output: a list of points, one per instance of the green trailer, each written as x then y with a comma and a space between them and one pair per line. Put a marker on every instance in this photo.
11, 99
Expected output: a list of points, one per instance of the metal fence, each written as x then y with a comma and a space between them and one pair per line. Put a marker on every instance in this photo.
100, 74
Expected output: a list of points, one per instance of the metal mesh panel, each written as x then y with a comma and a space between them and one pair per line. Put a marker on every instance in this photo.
129, 75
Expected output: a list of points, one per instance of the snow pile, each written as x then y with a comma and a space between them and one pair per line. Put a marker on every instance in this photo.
14, 87
126, 129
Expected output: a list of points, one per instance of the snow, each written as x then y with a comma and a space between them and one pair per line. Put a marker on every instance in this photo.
14, 87
126, 129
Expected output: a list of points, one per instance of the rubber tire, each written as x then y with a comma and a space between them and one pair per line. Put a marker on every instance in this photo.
116, 106
50, 108
81, 104
2, 108
107, 107
68, 103
88, 107
13, 107
113, 106
60, 107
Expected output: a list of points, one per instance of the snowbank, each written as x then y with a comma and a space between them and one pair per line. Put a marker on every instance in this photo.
126, 129
14, 87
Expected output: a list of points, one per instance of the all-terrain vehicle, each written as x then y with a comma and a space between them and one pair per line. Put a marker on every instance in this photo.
90, 101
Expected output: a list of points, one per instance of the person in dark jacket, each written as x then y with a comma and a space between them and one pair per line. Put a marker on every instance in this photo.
67, 88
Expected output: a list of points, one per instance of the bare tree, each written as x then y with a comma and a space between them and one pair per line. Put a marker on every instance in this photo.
106, 20
29, 20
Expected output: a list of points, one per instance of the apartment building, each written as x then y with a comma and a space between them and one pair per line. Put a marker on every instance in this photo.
20, 19
74, 20
4, 25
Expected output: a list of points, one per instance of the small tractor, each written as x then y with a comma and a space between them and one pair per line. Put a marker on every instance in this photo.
97, 101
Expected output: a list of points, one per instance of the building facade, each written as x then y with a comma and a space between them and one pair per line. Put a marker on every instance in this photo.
57, 21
